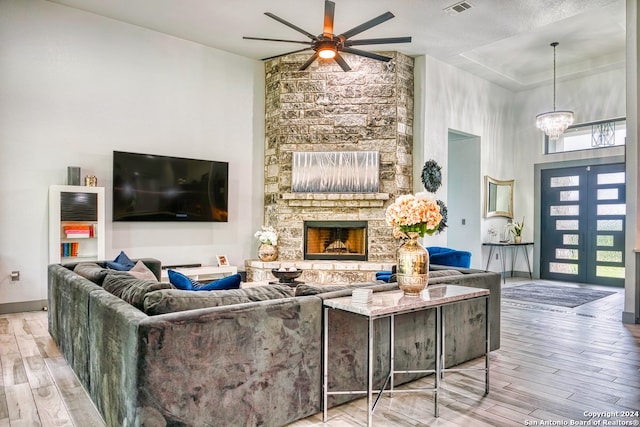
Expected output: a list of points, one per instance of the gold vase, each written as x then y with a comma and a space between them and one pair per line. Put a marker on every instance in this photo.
413, 266
267, 253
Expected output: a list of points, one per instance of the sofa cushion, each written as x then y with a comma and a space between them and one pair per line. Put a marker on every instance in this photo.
91, 271
310, 289
121, 263
268, 292
141, 271
131, 289
172, 300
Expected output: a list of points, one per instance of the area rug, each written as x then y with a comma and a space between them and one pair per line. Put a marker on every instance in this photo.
563, 296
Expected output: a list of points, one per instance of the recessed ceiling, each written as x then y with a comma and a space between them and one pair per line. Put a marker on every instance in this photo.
506, 42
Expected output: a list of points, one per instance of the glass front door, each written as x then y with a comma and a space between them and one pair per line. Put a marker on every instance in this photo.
583, 224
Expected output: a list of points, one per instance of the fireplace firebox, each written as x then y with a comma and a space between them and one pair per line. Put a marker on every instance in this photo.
335, 240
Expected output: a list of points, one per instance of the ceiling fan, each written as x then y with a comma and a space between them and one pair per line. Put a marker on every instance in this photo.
328, 45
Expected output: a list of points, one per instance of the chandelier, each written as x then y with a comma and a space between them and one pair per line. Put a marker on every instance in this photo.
554, 123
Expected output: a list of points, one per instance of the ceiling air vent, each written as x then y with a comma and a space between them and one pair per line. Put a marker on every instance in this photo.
457, 8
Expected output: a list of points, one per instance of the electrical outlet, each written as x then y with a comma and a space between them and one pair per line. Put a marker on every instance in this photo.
464, 221
15, 276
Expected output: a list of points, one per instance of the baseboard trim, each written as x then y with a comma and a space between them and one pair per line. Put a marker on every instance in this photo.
516, 273
630, 318
19, 307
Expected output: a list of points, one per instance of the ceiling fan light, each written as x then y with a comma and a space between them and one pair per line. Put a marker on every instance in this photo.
328, 45
554, 123
327, 53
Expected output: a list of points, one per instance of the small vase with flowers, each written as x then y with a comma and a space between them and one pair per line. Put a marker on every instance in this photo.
268, 249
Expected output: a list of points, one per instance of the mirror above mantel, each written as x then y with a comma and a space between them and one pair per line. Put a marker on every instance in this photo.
498, 197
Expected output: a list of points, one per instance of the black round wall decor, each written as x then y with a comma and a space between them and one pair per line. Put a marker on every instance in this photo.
431, 176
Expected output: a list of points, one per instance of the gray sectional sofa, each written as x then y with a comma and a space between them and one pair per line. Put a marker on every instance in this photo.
152, 355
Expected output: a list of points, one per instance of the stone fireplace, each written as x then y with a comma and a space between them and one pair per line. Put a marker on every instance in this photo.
335, 240
323, 109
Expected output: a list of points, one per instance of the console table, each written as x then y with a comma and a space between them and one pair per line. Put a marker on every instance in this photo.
502, 247
204, 273
388, 305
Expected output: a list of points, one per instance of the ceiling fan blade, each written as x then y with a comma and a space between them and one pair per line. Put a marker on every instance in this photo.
377, 41
277, 40
369, 24
285, 54
290, 25
341, 62
309, 61
329, 10
366, 54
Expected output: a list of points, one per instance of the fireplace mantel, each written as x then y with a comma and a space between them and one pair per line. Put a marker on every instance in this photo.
371, 200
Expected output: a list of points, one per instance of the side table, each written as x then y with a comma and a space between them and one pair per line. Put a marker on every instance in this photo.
500, 246
388, 305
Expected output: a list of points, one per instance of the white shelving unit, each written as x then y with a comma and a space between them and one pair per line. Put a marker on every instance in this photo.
80, 207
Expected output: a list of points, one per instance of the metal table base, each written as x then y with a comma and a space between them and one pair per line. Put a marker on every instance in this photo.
440, 361
501, 247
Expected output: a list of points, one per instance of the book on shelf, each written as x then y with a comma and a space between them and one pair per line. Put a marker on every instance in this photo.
78, 235
79, 231
69, 249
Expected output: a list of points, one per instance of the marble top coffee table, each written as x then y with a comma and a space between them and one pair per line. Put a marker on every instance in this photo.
388, 305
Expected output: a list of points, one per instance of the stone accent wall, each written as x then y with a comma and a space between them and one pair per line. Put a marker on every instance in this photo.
325, 109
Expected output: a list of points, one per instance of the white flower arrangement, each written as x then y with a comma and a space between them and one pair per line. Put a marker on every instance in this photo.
516, 227
267, 236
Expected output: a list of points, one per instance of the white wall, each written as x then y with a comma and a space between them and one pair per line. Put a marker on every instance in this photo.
74, 87
459, 101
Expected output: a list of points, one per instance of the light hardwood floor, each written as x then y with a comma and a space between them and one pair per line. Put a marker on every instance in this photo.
555, 366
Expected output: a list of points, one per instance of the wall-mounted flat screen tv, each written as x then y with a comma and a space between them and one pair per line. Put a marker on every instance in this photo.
160, 188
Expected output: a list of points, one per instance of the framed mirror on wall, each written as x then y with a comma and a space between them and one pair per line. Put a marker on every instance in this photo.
498, 197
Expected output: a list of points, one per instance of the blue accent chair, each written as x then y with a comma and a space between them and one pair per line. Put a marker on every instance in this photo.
450, 257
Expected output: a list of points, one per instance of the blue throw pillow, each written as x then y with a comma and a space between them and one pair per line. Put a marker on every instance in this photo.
228, 282
121, 263
181, 281
185, 283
